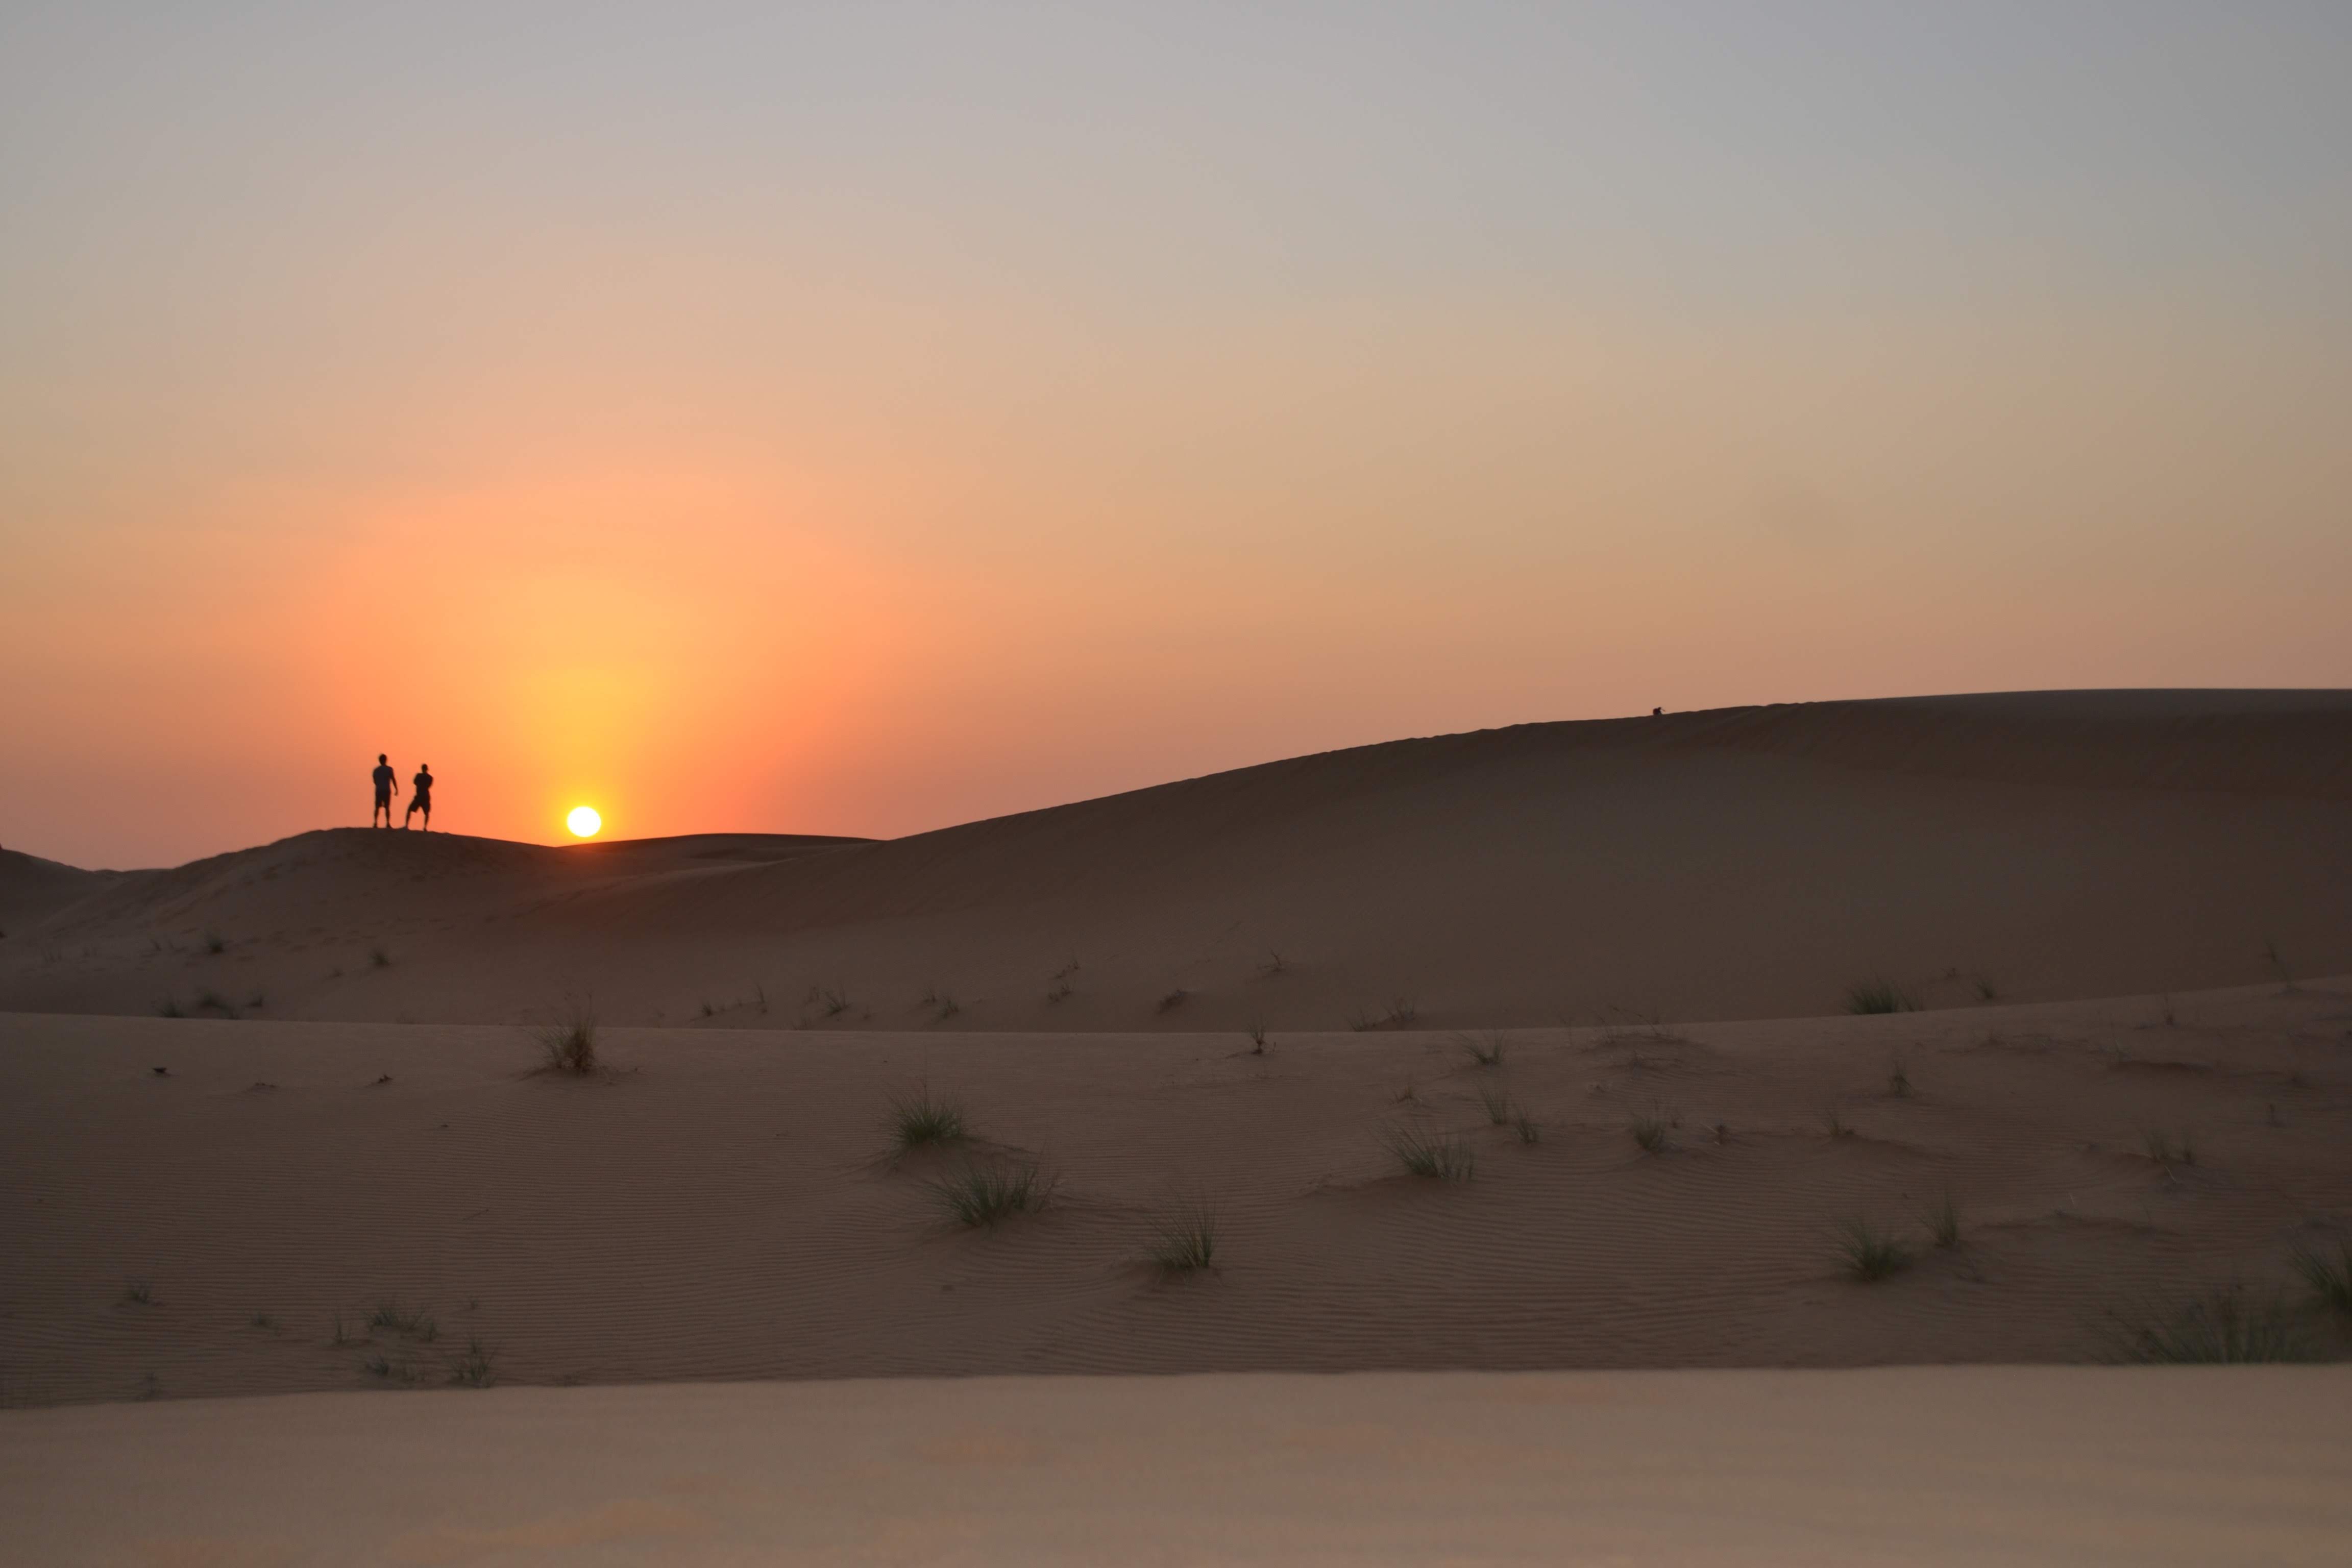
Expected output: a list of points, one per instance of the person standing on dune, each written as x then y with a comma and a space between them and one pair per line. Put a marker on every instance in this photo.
384, 786
422, 800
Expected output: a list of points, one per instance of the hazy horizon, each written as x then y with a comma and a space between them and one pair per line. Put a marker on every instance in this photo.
862, 419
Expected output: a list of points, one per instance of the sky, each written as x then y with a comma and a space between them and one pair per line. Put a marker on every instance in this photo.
861, 418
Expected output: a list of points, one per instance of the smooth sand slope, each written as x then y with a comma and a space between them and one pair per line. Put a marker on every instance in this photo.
1745, 863
2143, 1468
291, 1204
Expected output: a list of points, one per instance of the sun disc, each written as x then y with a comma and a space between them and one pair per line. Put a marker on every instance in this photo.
583, 822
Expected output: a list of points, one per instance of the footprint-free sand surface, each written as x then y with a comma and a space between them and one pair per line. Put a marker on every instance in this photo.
1990, 1466
307, 1259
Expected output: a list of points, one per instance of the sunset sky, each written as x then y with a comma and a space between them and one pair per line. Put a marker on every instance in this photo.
861, 418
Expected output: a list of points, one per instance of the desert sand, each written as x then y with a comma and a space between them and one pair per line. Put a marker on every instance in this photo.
2144, 1466
277, 1125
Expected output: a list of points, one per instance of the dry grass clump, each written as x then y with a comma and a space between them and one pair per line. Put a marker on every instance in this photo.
1484, 1051
1186, 1242
570, 1042
1496, 1098
2167, 1150
1943, 1218
1871, 1254
1431, 1156
922, 1119
2223, 1327
1877, 995
2330, 1278
980, 1195
1650, 1133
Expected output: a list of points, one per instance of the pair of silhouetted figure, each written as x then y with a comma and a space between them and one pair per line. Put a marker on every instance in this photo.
386, 788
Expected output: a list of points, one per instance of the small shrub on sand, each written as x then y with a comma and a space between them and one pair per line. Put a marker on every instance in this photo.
1496, 1098
982, 1194
2330, 1278
2167, 1149
1943, 1218
215, 943
1186, 1241
1870, 1253
169, 1008
1899, 1081
473, 1369
138, 1292
1258, 1046
1877, 995
379, 959
570, 1042
1486, 1052
922, 1119
1173, 1000
2223, 1326
416, 1324
1431, 1156
1650, 1133
1530, 1129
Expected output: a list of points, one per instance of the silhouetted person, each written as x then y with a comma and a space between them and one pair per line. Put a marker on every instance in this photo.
385, 787
422, 799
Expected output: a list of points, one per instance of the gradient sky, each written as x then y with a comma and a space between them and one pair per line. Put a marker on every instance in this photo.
860, 418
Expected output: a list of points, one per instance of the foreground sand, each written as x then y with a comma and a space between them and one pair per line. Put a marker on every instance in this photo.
1984, 1465
725, 1205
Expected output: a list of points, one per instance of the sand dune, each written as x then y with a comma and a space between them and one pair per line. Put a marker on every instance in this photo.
1742, 863
1987, 1467
728, 1206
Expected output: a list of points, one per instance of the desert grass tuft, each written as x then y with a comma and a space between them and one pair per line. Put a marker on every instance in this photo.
138, 1292
1530, 1129
1870, 1253
1258, 1046
1173, 1000
1186, 1241
473, 1369
1835, 1124
169, 1007
1899, 1081
215, 943
415, 1324
922, 1119
1484, 1051
980, 1195
2330, 1278
1496, 1098
379, 959
1431, 1156
1650, 1133
1878, 996
2167, 1149
1943, 1219
2223, 1327
570, 1042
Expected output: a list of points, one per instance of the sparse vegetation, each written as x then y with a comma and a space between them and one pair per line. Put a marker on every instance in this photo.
214, 1001
570, 1042
264, 1320
1650, 1133
2330, 1278
1871, 1254
1878, 996
417, 1325
169, 1007
1258, 1046
941, 1004
1273, 964
1986, 990
1898, 1080
1186, 1241
1835, 1124
1487, 1051
473, 1369
2286, 975
1173, 1000
1496, 1098
1530, 1129
1434, 1156
2222, 1327
215, 943
1062, 990
2167, 1150
1943, 1217
2164, 1006
1399, 1014
920, 1120
830, 1001
379, 959
138, 1292
342, 1334
980, 1195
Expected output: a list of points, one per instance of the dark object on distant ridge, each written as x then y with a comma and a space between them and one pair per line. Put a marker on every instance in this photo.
1657, 712
162, 1072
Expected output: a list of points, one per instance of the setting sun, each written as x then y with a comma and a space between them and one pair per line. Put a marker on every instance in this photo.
583, 822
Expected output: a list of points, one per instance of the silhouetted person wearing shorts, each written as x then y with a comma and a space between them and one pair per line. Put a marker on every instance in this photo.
384, 788
422, 799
